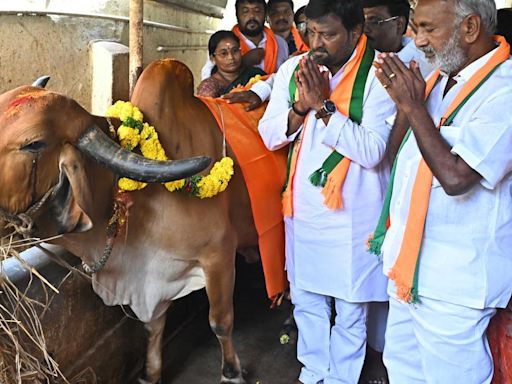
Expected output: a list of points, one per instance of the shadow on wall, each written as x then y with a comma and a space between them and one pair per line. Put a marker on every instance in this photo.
29, 40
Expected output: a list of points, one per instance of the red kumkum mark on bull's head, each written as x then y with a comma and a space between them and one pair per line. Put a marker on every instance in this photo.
23, 99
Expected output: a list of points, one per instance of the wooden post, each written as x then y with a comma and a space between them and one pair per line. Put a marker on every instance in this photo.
136, 46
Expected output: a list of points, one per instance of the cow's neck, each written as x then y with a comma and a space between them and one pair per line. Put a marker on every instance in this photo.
184, 124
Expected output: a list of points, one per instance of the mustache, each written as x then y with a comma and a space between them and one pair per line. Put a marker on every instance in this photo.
317, 55
252, 21
319, 50
427, 50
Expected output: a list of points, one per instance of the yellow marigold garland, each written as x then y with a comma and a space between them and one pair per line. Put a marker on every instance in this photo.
133, 131
253, 80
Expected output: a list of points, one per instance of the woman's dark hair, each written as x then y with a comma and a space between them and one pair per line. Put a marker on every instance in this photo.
217, 37
298, 14
350, 12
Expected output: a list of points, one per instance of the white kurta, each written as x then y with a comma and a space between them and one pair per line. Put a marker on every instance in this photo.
410, 52
378, 312
325, 249
466, 254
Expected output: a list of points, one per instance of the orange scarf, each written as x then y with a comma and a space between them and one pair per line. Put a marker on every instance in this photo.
270, 48
405, 270
264, 172
299, 43
342, 96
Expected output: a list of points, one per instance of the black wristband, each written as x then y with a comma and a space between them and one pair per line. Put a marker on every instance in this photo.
297, 112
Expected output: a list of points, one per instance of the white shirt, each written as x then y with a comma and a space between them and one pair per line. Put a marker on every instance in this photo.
282, 54
325, 249
466, 253
410, 52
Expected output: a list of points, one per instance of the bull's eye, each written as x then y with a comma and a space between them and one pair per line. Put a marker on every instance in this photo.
35, 146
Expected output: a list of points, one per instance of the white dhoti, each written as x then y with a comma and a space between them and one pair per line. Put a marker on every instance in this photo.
329, 355
437, 342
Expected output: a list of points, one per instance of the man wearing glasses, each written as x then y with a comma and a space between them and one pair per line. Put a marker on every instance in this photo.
300, 22
385, 25
328, 105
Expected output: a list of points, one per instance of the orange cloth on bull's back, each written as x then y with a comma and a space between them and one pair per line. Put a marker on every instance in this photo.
264, 173
500, 342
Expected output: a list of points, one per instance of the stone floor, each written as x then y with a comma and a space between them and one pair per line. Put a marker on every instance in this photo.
257, 327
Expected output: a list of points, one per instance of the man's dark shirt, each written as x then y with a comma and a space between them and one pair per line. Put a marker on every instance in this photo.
292, 48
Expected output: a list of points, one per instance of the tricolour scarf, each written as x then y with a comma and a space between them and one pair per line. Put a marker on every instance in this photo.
270, 48
405, 270
348, 97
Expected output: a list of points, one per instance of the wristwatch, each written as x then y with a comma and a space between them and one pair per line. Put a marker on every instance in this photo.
327, 109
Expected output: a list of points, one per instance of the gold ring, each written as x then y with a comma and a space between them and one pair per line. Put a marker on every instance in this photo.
391, 76
385, 86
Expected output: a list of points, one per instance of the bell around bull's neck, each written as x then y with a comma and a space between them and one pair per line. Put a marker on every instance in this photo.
96, 144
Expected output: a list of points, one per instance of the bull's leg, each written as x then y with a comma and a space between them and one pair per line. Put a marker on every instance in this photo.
155, 329
220, 280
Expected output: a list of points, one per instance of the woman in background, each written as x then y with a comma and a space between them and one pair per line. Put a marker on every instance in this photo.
229, 71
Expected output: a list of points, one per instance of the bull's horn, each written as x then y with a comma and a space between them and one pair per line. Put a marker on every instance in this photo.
95, 143
41, 81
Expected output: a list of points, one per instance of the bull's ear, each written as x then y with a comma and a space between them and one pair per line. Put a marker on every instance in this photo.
71, 199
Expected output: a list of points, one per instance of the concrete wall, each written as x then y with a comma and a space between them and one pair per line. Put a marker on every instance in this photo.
87, 60
60, 46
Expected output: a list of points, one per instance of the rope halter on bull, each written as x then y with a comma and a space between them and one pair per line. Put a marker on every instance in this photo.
134, 132
122, 204
23, 223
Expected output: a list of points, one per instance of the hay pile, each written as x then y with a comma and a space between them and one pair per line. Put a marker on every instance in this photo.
23, 351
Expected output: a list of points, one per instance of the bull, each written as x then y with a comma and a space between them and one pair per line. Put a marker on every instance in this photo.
175, 244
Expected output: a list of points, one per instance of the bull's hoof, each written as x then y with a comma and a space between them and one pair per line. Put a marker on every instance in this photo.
142, 381
235, 380
232, 374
